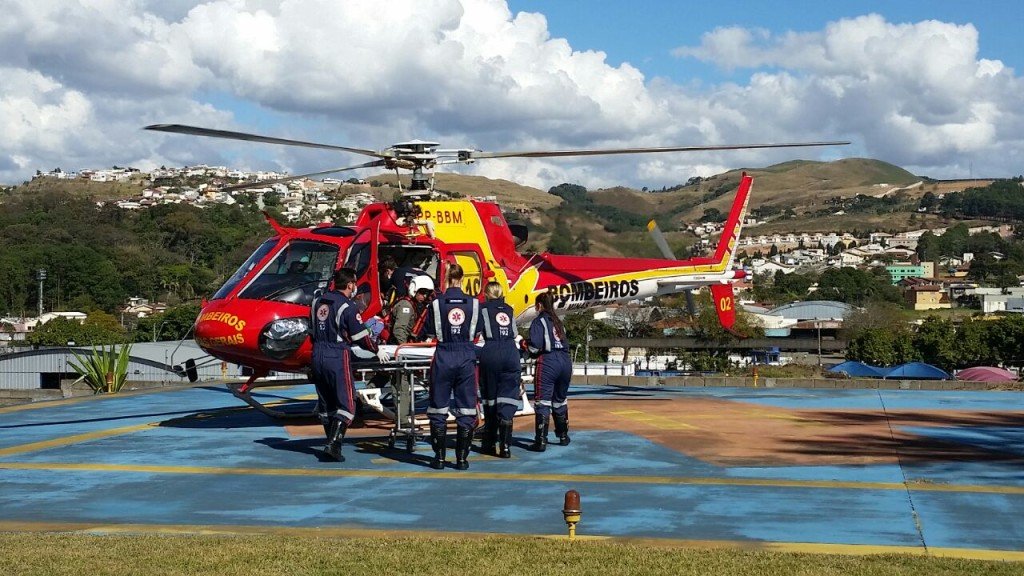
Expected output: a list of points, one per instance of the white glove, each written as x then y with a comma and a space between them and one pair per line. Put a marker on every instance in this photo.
383, 356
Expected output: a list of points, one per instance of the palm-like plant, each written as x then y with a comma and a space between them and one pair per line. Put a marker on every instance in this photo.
105, 371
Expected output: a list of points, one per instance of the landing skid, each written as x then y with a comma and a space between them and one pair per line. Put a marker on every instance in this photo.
244, 393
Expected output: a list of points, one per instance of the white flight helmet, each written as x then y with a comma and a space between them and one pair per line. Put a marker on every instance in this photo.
418, 283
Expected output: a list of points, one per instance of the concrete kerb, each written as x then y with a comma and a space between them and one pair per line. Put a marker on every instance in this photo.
748, 382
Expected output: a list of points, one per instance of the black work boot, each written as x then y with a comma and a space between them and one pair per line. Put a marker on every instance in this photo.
463, 440
490, 430
540, 441
505, 439
562, 429
439, 441
336, 434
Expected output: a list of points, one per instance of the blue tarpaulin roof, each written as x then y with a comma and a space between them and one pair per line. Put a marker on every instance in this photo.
910, 371
857, 370
918, 371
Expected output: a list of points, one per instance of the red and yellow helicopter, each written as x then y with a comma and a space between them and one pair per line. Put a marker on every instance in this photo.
259, 317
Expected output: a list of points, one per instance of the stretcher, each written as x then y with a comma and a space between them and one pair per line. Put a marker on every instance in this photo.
403, 400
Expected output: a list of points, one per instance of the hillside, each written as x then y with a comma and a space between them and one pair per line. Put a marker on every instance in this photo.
796, 196
799, 184
509, 194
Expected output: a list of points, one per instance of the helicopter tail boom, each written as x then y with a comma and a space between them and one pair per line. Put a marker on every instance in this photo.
726, 250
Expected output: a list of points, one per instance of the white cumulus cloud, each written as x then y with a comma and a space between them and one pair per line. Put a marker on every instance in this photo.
80, 78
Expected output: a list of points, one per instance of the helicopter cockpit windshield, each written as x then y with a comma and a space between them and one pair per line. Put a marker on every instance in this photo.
298, 270
245, 268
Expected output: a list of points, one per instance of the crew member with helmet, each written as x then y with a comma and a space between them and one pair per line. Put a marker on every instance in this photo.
408, 310
500, 372
398, 284
547, 342
453, 319
337, 329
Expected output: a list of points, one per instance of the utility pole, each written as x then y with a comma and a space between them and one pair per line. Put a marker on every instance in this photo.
818, 326
41, 276
586, 352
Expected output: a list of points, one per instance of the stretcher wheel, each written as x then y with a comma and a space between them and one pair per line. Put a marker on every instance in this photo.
410, 444
391, 440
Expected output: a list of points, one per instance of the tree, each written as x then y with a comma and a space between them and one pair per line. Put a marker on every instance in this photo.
632, 321
1007, 339
576, 327
708, 327
571, 193
583, 243
99, 328
561, 237
173, 324
856, 287
936, 341
929, 247
882, 346
712, 215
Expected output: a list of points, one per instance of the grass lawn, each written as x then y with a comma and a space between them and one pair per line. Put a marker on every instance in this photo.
47, 553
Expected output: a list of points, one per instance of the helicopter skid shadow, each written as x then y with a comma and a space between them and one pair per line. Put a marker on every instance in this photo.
311, 446
371, 446
379, 447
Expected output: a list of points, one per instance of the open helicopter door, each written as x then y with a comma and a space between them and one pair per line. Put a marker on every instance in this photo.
362, 257
472, 269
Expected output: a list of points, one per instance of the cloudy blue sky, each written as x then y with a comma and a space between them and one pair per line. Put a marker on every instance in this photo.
933, 86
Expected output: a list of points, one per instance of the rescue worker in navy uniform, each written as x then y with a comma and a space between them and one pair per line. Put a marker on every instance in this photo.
453, 319
548, 344
500, 372
337, 328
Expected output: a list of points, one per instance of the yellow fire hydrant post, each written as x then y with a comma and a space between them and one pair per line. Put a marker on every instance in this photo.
571, 511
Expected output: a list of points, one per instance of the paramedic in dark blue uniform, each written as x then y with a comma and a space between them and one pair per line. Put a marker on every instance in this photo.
548, 344
337, 327
500, 372
453, 319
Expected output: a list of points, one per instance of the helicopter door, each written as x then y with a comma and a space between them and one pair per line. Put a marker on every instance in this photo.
472, 271
362, 257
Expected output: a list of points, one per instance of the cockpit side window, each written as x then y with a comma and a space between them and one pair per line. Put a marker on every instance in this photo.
245, 268
301, 268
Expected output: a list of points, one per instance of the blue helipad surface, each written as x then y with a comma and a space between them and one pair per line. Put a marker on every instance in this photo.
917, 471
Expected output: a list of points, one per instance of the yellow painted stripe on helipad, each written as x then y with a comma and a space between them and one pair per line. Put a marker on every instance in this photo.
661, 422
356, 532
470, 476
56, 402
67, 440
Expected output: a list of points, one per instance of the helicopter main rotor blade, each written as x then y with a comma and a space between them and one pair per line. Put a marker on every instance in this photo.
298, 176
659, 240
197, 131
608, 151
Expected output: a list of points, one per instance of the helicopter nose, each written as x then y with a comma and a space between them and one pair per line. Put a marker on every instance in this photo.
218, 329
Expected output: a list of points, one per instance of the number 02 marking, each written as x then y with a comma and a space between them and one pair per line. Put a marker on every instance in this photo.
725, 304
